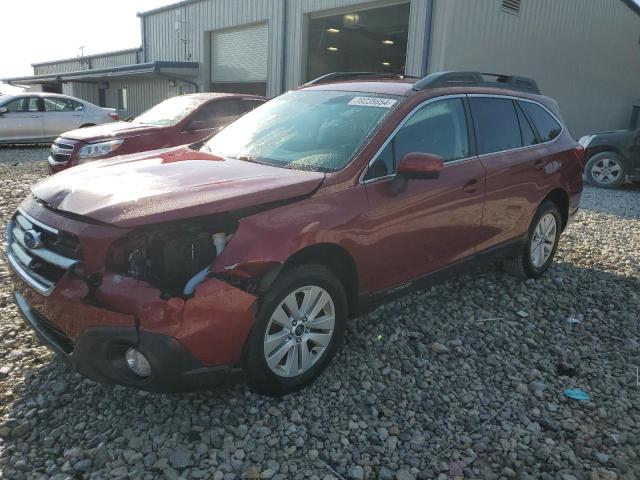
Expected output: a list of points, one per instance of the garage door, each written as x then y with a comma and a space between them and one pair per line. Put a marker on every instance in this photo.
239, 59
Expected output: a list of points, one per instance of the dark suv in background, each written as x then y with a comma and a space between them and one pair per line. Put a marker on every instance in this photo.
162, 272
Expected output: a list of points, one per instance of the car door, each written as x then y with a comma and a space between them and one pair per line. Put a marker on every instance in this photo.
61, 115
22, 121
508, 148
432, 223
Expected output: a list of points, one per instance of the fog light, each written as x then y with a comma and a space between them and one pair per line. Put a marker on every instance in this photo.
138, 363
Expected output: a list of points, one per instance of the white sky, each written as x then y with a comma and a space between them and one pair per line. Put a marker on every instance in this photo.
40, 30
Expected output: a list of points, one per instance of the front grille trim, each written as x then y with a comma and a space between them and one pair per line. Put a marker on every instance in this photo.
25, 260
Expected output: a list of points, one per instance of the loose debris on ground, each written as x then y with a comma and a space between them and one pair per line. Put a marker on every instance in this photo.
463, 380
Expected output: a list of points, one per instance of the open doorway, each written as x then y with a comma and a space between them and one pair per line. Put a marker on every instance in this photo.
372, 40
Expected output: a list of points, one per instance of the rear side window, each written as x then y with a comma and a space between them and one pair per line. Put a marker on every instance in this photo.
547, 126
61, 105
496, 124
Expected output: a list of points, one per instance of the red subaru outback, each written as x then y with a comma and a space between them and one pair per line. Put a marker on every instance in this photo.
164, 272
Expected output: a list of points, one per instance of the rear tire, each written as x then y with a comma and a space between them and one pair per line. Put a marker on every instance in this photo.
297, 331
605, 170
541, 245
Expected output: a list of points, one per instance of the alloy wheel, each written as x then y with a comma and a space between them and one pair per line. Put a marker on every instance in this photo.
543, 240
606, 171
299, 331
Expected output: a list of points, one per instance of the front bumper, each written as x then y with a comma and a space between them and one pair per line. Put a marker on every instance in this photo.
98, 354
56, 166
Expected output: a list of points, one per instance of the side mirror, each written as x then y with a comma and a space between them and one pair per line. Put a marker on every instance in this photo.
420, 165
3, 110
195, 125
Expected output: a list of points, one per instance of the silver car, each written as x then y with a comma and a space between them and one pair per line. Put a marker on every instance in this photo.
41, 117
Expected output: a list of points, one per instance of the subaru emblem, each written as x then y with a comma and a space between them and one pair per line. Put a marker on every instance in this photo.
32, 239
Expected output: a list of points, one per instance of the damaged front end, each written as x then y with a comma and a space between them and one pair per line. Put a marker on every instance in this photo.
156, 317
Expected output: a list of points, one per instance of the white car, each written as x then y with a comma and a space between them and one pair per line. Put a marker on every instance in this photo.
41, 117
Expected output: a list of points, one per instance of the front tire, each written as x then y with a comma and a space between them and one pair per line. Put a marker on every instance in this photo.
298, 329
541, 246
605, 170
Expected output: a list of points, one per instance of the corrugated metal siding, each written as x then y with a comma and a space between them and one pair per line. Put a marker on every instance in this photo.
141, 94
108, 61
297, 16
59, 67
100, 61
190, 41
85, 91
584, 53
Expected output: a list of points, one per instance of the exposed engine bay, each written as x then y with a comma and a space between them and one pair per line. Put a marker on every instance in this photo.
169, 255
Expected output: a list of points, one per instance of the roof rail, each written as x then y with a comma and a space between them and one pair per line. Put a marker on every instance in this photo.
338, 76
477, 79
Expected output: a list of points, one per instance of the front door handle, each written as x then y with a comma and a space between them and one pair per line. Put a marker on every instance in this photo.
540, 164
35, 116
471, 186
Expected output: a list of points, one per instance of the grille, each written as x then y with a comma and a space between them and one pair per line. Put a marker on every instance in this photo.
60, 151
511, 6
38, 253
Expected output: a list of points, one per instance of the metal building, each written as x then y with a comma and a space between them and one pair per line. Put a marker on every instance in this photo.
582, 52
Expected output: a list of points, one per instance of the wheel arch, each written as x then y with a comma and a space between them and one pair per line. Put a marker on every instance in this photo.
561, 198
598, 149
338, 260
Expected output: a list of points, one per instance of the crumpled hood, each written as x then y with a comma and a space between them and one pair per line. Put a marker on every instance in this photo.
142, 189
109, 131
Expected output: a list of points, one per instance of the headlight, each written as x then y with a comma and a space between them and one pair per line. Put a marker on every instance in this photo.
99, 149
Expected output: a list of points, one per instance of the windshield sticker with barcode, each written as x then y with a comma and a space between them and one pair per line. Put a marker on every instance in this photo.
373, 102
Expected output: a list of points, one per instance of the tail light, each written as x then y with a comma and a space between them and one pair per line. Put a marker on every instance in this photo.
578, 151
115, 116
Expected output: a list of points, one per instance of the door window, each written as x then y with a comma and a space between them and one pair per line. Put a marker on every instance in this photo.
248, 105
25, 104
52, 104
496, 124
439, 128
218, 113
548, 128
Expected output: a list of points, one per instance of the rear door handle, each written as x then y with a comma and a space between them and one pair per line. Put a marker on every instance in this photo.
540, 164
471, 186
36, 116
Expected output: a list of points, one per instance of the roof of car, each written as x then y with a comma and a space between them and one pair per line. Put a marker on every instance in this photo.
401, 87
211, 95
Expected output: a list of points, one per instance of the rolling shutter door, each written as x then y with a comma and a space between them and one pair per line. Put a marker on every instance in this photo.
240, 55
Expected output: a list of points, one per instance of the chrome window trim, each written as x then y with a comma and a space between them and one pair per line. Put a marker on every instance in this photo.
452, 162
527, 147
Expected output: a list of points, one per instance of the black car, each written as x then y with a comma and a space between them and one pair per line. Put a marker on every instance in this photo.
613, 158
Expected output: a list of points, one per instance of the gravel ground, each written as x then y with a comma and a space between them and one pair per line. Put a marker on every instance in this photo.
464, 380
